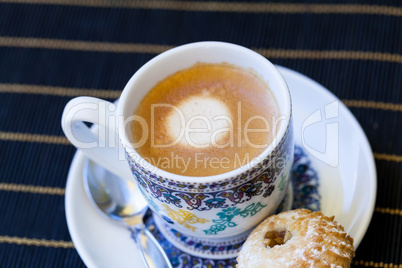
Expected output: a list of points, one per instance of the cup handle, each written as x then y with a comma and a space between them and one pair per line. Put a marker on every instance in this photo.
100, 144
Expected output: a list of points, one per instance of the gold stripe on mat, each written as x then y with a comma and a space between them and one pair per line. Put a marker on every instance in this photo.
388, 157
26, 137
59, 91
373, 105
81, 45
36, 242
31, 189
392, 211
114, 94
216, 6
61, 191
376, 264
156, 49
328, 55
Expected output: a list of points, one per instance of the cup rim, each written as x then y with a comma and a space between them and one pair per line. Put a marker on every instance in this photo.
286, 109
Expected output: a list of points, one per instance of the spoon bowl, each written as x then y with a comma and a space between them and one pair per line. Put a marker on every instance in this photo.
121, 200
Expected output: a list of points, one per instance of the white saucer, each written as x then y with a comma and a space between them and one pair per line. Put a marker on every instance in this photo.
347, 189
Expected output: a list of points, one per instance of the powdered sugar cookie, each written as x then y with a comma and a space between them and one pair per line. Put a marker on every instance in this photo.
297, 238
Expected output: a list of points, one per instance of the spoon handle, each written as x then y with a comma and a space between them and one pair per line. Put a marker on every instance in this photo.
150, 250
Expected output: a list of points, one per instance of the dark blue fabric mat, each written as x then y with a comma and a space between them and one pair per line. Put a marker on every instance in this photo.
51, 52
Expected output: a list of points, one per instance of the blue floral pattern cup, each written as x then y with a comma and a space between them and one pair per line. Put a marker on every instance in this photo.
218, 206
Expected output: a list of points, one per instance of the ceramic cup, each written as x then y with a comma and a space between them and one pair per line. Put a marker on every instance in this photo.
213, 207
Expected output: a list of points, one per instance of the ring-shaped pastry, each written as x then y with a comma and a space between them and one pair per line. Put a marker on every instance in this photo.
297, 238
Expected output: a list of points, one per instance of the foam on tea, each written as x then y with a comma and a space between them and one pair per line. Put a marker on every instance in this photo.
202, 112
206, 120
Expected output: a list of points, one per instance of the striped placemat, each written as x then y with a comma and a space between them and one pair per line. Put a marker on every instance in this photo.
54, 50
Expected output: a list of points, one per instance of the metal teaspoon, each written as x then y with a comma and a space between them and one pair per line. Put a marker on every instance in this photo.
121, 201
